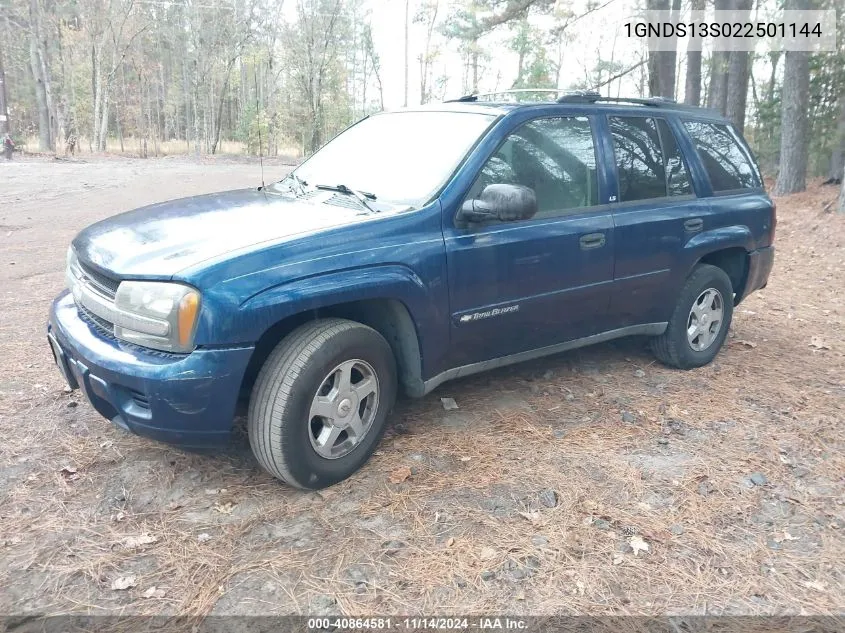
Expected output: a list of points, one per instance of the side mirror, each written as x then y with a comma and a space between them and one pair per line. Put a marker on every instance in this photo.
502, 202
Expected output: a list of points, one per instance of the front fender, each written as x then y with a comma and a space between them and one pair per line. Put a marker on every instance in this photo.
388, 281
320, 290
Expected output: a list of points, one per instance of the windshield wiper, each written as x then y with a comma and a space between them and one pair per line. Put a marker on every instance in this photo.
361, 196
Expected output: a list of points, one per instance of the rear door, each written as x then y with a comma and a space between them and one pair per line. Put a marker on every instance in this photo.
738, 198
516, 286
656, 212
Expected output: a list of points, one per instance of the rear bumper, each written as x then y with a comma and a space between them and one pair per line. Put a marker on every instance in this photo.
760, 264
186, 399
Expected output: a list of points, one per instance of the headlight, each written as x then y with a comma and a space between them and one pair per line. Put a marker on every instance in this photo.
70, 264
160, 315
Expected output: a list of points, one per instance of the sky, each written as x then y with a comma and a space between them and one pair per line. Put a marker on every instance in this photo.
598, 35
589, 35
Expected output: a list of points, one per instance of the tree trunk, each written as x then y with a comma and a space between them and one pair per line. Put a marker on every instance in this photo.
219, 121
407, 9
97, 92
692, 89
104, 120
795, 104
717, 94
377, 73
737, 92
44, 127
842, 194
837, 157
661, 64
474, 66
5, 123
48, 91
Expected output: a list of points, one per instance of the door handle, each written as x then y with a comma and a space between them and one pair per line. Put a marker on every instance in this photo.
693, 225
592, 240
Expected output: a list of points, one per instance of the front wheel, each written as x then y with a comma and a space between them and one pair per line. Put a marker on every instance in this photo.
700, 321
320, 402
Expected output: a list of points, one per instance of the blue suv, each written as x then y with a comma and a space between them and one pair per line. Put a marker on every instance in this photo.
416, 247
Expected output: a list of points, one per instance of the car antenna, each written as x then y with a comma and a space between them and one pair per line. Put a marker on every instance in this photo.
260, 148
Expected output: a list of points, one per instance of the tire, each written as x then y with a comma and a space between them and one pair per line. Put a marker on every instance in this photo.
305, 373
674, 347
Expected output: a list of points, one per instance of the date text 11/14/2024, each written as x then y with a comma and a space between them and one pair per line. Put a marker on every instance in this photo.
417, 623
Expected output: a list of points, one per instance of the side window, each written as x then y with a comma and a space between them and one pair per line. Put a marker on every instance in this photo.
639, 158
555, 157
677, 177
727, 163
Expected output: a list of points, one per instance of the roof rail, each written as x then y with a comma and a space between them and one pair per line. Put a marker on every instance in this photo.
509, 91
462, 99
584, 96
592, 97
579, 96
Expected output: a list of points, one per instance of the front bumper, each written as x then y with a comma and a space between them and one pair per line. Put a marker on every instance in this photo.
760, 264
184, 399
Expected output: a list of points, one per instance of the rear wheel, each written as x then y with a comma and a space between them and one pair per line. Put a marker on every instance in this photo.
320, 402
700, 321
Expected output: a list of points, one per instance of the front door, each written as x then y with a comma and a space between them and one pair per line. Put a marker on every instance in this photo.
521, 285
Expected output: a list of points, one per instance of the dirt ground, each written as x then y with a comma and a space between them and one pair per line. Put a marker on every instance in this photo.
593, 482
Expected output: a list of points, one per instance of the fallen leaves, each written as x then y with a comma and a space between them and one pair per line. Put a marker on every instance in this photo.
69, 473
154, 592
815, 584
124, 582
399, 475
224, 508
449, 404
786, 536
134, 542
638, 544
532, 516
750, 344
817, 342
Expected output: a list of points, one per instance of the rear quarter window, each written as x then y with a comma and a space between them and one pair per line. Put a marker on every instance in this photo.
727, 162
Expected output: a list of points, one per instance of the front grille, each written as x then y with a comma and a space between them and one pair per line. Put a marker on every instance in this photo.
103, 284
105, 327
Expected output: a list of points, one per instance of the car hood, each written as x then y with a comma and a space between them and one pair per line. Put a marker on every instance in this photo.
165, 238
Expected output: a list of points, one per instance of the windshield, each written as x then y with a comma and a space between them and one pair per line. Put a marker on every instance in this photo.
401, 157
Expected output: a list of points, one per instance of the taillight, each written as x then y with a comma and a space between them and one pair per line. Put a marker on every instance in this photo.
774, 221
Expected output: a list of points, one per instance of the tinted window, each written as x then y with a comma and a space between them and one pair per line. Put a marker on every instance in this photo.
554, 157
726, 162
639, 158
677, 177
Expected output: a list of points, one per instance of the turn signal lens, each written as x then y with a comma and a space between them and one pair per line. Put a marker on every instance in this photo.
188, 308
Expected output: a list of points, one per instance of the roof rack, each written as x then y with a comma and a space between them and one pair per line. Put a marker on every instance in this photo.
581, 96
511, 91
